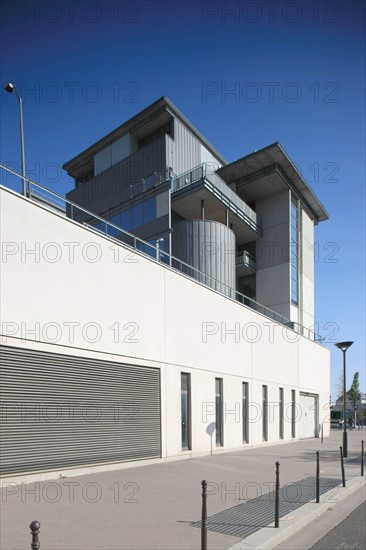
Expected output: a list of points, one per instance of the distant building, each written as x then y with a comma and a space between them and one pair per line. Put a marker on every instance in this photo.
350, 404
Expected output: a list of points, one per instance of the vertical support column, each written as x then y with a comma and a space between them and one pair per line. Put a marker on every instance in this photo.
277, 496
317, 477
202, 209
204, 516
342, 468
362, 452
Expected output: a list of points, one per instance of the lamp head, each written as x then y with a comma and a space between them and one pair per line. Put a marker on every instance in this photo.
10, 88
343, 345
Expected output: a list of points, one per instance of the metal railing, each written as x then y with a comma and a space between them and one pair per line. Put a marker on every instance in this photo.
244, 258
60, 206
220, 189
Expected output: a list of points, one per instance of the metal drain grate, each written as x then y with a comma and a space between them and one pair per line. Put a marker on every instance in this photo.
250, 516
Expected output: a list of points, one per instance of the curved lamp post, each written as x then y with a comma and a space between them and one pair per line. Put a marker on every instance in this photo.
343, 346
11, 88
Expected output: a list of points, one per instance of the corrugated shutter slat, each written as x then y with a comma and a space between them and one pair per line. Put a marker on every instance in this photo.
61, 411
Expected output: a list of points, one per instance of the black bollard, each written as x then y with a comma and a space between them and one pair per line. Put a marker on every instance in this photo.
317, 478
204, 516
342, 466
362, 452
277, 496
35, 527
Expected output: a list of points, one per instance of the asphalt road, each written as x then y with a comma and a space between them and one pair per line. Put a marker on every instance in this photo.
350, 534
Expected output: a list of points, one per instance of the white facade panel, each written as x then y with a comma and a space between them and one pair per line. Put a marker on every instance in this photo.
100, 300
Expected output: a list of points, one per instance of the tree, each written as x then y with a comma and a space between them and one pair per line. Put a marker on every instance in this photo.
354, 392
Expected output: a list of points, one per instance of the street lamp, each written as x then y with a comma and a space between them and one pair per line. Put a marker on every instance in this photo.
11, 88
343, 346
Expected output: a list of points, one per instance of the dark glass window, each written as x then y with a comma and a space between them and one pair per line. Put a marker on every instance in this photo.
148, 247
137, 215
281, 412
126, 220
219, 405
149, 210
156, 134
185, 397
265, 413
293, 413
116, 220
247, 286
245, 397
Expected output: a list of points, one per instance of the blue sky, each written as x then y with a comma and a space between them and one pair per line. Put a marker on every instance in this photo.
296, 75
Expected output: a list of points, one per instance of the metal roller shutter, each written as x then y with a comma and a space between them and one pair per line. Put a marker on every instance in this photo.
61, 411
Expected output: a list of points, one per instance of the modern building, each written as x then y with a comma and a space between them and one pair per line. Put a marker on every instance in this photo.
243, 223
164, 310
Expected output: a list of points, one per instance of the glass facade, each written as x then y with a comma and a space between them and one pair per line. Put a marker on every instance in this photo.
294, 251
247, 286
156, 247
135, 216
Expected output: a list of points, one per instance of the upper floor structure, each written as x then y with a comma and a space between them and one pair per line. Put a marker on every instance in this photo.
245, 226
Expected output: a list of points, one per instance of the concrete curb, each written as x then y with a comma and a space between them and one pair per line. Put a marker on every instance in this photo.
266, 539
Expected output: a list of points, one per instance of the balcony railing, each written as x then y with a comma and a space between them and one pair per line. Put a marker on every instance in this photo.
246, 259
58, 205
220, 189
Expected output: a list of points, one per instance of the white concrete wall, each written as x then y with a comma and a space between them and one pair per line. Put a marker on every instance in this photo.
139, 312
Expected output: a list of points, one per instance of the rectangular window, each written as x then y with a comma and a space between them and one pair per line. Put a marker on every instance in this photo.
149, 210
294, 251
136, 215
245, 402
293, 413
219, 404
265, 413
116, 220
281, 412
126, 220
185, 399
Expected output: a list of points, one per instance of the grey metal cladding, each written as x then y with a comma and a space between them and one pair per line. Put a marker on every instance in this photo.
184, 152
209, 247
113, 186
62, 411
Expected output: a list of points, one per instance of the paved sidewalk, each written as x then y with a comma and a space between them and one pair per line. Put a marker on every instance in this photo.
154, 506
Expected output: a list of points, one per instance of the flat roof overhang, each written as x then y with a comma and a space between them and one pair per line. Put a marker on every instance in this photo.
265, 172
187, 203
